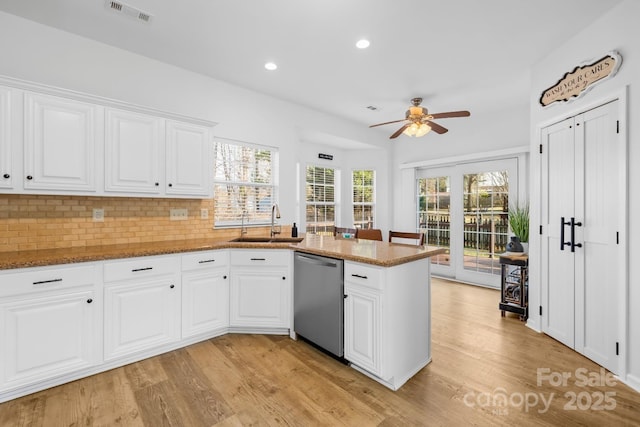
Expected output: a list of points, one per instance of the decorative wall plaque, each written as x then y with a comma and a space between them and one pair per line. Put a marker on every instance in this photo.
576, 82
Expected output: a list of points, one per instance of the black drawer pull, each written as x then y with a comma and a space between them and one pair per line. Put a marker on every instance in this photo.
89, 301
142, 269
258, 259
42, 282
359, 276
29, 177
204, 261
172, 286
6, 176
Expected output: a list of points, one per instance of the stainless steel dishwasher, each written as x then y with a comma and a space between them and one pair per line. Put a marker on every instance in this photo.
318, 301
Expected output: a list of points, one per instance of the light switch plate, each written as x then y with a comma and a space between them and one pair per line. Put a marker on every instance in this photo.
178, 214
204, 213
98, 215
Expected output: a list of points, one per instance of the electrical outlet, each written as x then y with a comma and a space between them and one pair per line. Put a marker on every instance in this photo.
98, 215
204, 213
178, 214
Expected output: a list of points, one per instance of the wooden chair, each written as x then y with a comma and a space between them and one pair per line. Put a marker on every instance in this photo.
369, 234
418, 237
340, 230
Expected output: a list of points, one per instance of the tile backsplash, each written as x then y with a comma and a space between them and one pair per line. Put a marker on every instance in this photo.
46, 222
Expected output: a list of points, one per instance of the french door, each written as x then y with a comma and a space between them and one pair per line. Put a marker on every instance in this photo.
580, 257
464, 208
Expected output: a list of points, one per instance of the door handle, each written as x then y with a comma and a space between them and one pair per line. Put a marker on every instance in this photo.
574, 224
562, 242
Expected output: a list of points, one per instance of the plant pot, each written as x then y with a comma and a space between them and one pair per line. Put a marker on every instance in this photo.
514, 245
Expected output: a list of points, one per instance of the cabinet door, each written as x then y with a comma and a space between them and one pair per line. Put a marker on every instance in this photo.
6, 170
362, 329
48, 336
133, 146
60, 144
141, 315
189, 164
260, 298
205, 302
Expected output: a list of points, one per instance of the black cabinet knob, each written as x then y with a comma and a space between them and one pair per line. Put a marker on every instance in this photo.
6, 176
172, 286
29, 177
170, 185
224, 277
89, 301
157, 184
284, 278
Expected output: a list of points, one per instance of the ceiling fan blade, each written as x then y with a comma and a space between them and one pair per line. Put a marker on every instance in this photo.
436, 127
399, 131
451, 114
387, 123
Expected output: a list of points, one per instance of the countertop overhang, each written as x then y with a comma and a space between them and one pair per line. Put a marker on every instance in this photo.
366, 251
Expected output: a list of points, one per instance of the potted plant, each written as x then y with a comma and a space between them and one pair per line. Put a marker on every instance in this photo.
519, 223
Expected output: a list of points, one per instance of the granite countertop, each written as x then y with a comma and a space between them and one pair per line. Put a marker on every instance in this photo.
367, 251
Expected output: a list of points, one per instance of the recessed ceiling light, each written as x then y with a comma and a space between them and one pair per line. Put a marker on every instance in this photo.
270, 66
362, 44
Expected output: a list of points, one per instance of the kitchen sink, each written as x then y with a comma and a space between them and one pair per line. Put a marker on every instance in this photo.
267, 239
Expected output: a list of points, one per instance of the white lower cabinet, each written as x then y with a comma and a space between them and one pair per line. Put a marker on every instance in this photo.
142, 305
205, 293
260, 295
362, 328
50, 320
387, 333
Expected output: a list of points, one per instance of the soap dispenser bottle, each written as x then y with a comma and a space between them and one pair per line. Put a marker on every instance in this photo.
294, 230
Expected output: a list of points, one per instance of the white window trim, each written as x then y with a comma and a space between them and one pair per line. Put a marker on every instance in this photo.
275, 173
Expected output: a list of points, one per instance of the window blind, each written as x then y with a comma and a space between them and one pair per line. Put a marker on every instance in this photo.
363, 185
320, 200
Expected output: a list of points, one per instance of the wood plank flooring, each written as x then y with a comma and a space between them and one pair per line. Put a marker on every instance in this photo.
484, 371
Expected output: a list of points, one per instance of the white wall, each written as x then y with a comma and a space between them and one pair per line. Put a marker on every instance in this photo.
616, 30
41, 54
347, 161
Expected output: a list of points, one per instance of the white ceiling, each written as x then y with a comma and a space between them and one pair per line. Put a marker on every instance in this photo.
456, 54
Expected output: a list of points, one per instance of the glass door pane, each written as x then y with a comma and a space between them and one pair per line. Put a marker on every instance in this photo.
485, 220
434, 216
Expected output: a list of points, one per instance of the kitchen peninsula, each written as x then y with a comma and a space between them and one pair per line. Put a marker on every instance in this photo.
105, 307
387, 304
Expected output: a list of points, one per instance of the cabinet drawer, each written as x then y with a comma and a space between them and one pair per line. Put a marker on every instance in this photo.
141, 267
265, 258
46, 279
205, 259
363, 275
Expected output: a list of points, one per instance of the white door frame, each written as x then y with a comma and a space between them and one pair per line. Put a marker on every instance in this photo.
535, 255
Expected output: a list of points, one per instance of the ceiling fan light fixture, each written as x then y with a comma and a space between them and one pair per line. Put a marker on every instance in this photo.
417, 130
271, 66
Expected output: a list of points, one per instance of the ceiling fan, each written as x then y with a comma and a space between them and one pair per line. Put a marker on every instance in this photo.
418, 121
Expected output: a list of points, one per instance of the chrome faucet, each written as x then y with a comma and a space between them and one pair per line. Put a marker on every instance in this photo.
274, 210
243, 229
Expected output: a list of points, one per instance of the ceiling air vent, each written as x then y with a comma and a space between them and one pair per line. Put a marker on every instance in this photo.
130, 11
372, 108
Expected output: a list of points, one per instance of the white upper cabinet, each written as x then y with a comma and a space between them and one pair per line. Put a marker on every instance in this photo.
189, 157
54, 141
59, 143
6, 170
133, 149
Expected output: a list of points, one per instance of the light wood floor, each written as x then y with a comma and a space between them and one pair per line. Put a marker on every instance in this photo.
239, 380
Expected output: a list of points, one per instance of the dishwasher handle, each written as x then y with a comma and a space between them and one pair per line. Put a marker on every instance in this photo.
316, 261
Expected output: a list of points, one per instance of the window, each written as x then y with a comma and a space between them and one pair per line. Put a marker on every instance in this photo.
244, 183
321, 200
363, 182
434, 214
486, 219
